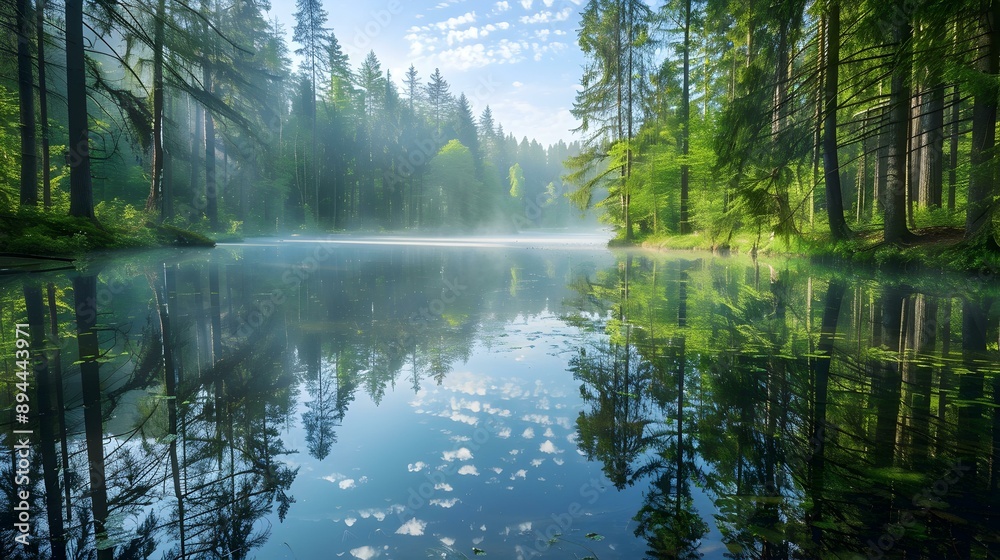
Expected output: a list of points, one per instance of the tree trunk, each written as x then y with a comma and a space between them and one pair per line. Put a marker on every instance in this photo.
211, 189
56, 365
43, 104
956, 115
685, 226
46, 419
26, 94
81, 187
894, 198
85, 303
154, 200
932, 146
980, 209
831, 159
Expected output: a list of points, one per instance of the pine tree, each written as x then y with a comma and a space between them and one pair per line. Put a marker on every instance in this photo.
439, 99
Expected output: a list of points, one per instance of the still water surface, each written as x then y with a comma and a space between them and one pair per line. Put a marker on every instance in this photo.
398, 397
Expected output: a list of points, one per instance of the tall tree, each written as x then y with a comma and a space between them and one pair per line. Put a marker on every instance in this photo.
43, 103
155, 199
982, 179
439, 98
26, 94
831, 159
309, 32
411, 82
81, 189
685, 225
615, 38
894, 198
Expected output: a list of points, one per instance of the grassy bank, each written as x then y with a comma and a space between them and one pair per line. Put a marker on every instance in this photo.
936, 248
35, 232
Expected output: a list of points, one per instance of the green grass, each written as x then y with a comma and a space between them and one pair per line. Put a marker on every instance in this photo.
118, 226
939, 248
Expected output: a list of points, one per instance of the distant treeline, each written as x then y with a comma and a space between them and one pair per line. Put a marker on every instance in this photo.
191, 113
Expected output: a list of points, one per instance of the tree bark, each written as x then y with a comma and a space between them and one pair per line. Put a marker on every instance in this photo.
981, 207
43, 105
894, 198
211, 189
831, 159
46, 419
154, 201
85, 303
81, 187
26, 94
685, 226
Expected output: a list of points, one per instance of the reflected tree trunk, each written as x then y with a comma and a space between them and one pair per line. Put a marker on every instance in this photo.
925, 320
821, 380
55, 361
170, 390
46, 419
85, 302
888, 381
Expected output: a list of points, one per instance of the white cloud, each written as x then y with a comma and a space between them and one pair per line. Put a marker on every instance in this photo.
503, 6
376, 513
538, 419
549, 447
365, 553
347, 484
447, 541
444, 503
414, 527
464, 418
549, 433
547, 16
469, 469
462, 454
519, 474
528, 433
526, 4
456, 22
350, 521
504, 433
416, 467
537, 462
466, 382
334, 478
517, 84
455, 36
443, 486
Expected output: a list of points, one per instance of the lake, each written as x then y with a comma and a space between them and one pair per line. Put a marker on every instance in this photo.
514, 396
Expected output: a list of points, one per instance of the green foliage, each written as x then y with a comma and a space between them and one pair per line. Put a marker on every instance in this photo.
32, 231
10, 149
516, 176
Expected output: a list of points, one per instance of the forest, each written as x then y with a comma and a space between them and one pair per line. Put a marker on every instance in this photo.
872, 120
867, 122
193, 115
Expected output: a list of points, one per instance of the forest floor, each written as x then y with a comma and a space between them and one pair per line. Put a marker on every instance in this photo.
47, 234
934, 248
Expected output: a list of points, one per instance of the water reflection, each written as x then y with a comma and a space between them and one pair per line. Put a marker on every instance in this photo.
293, 400
821, 419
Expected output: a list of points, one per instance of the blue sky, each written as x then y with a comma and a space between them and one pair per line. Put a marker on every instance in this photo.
519, 56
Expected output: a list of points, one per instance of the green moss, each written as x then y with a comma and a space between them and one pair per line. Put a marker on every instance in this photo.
37, 232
